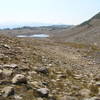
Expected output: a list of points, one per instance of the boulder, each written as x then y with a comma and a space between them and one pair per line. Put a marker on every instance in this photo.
43, 70
85, 92
6, 46
97, 83
13, 66
7, 91
97, 77
18, 79
43, 92
7, 72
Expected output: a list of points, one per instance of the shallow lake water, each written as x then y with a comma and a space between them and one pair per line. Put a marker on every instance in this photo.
34, 35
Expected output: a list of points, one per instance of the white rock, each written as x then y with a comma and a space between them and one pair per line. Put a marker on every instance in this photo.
43, 92
17, 97
6, 46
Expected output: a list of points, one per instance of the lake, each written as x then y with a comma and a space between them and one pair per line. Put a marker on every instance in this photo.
34, 36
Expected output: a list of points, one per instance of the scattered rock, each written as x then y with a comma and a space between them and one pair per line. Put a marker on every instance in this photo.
6, 46
0, 71
29, 78
97, 78
43, 70
19, 78
10, 66
35, 84
42, 92
24, 68
78, 76
5, 82
1, 74
97, 83
85, 92
7, 72
51, 98
63, 69
7, 91
99, 91
61, 76
17, 97
39, 99
45, 83
68, 98
92, 98
31, 73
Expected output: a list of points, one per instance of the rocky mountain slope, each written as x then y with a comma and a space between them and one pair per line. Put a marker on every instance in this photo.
32, 69
64, 66
87, 32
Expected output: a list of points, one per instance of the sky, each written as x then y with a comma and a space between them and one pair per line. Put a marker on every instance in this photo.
47, 11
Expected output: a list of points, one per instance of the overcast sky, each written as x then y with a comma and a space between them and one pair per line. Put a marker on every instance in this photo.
47, 11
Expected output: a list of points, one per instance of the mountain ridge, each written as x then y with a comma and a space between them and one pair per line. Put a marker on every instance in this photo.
88, 32
96, 17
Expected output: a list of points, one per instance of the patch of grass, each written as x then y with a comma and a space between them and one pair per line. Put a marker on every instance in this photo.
75, 45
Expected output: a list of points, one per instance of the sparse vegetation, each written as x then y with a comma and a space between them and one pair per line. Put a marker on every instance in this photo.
48, 69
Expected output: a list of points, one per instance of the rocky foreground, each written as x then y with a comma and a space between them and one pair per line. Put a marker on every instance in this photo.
33, 69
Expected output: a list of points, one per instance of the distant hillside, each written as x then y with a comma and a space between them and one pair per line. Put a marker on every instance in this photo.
46, 27
96, 17
87, 32
33, 26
